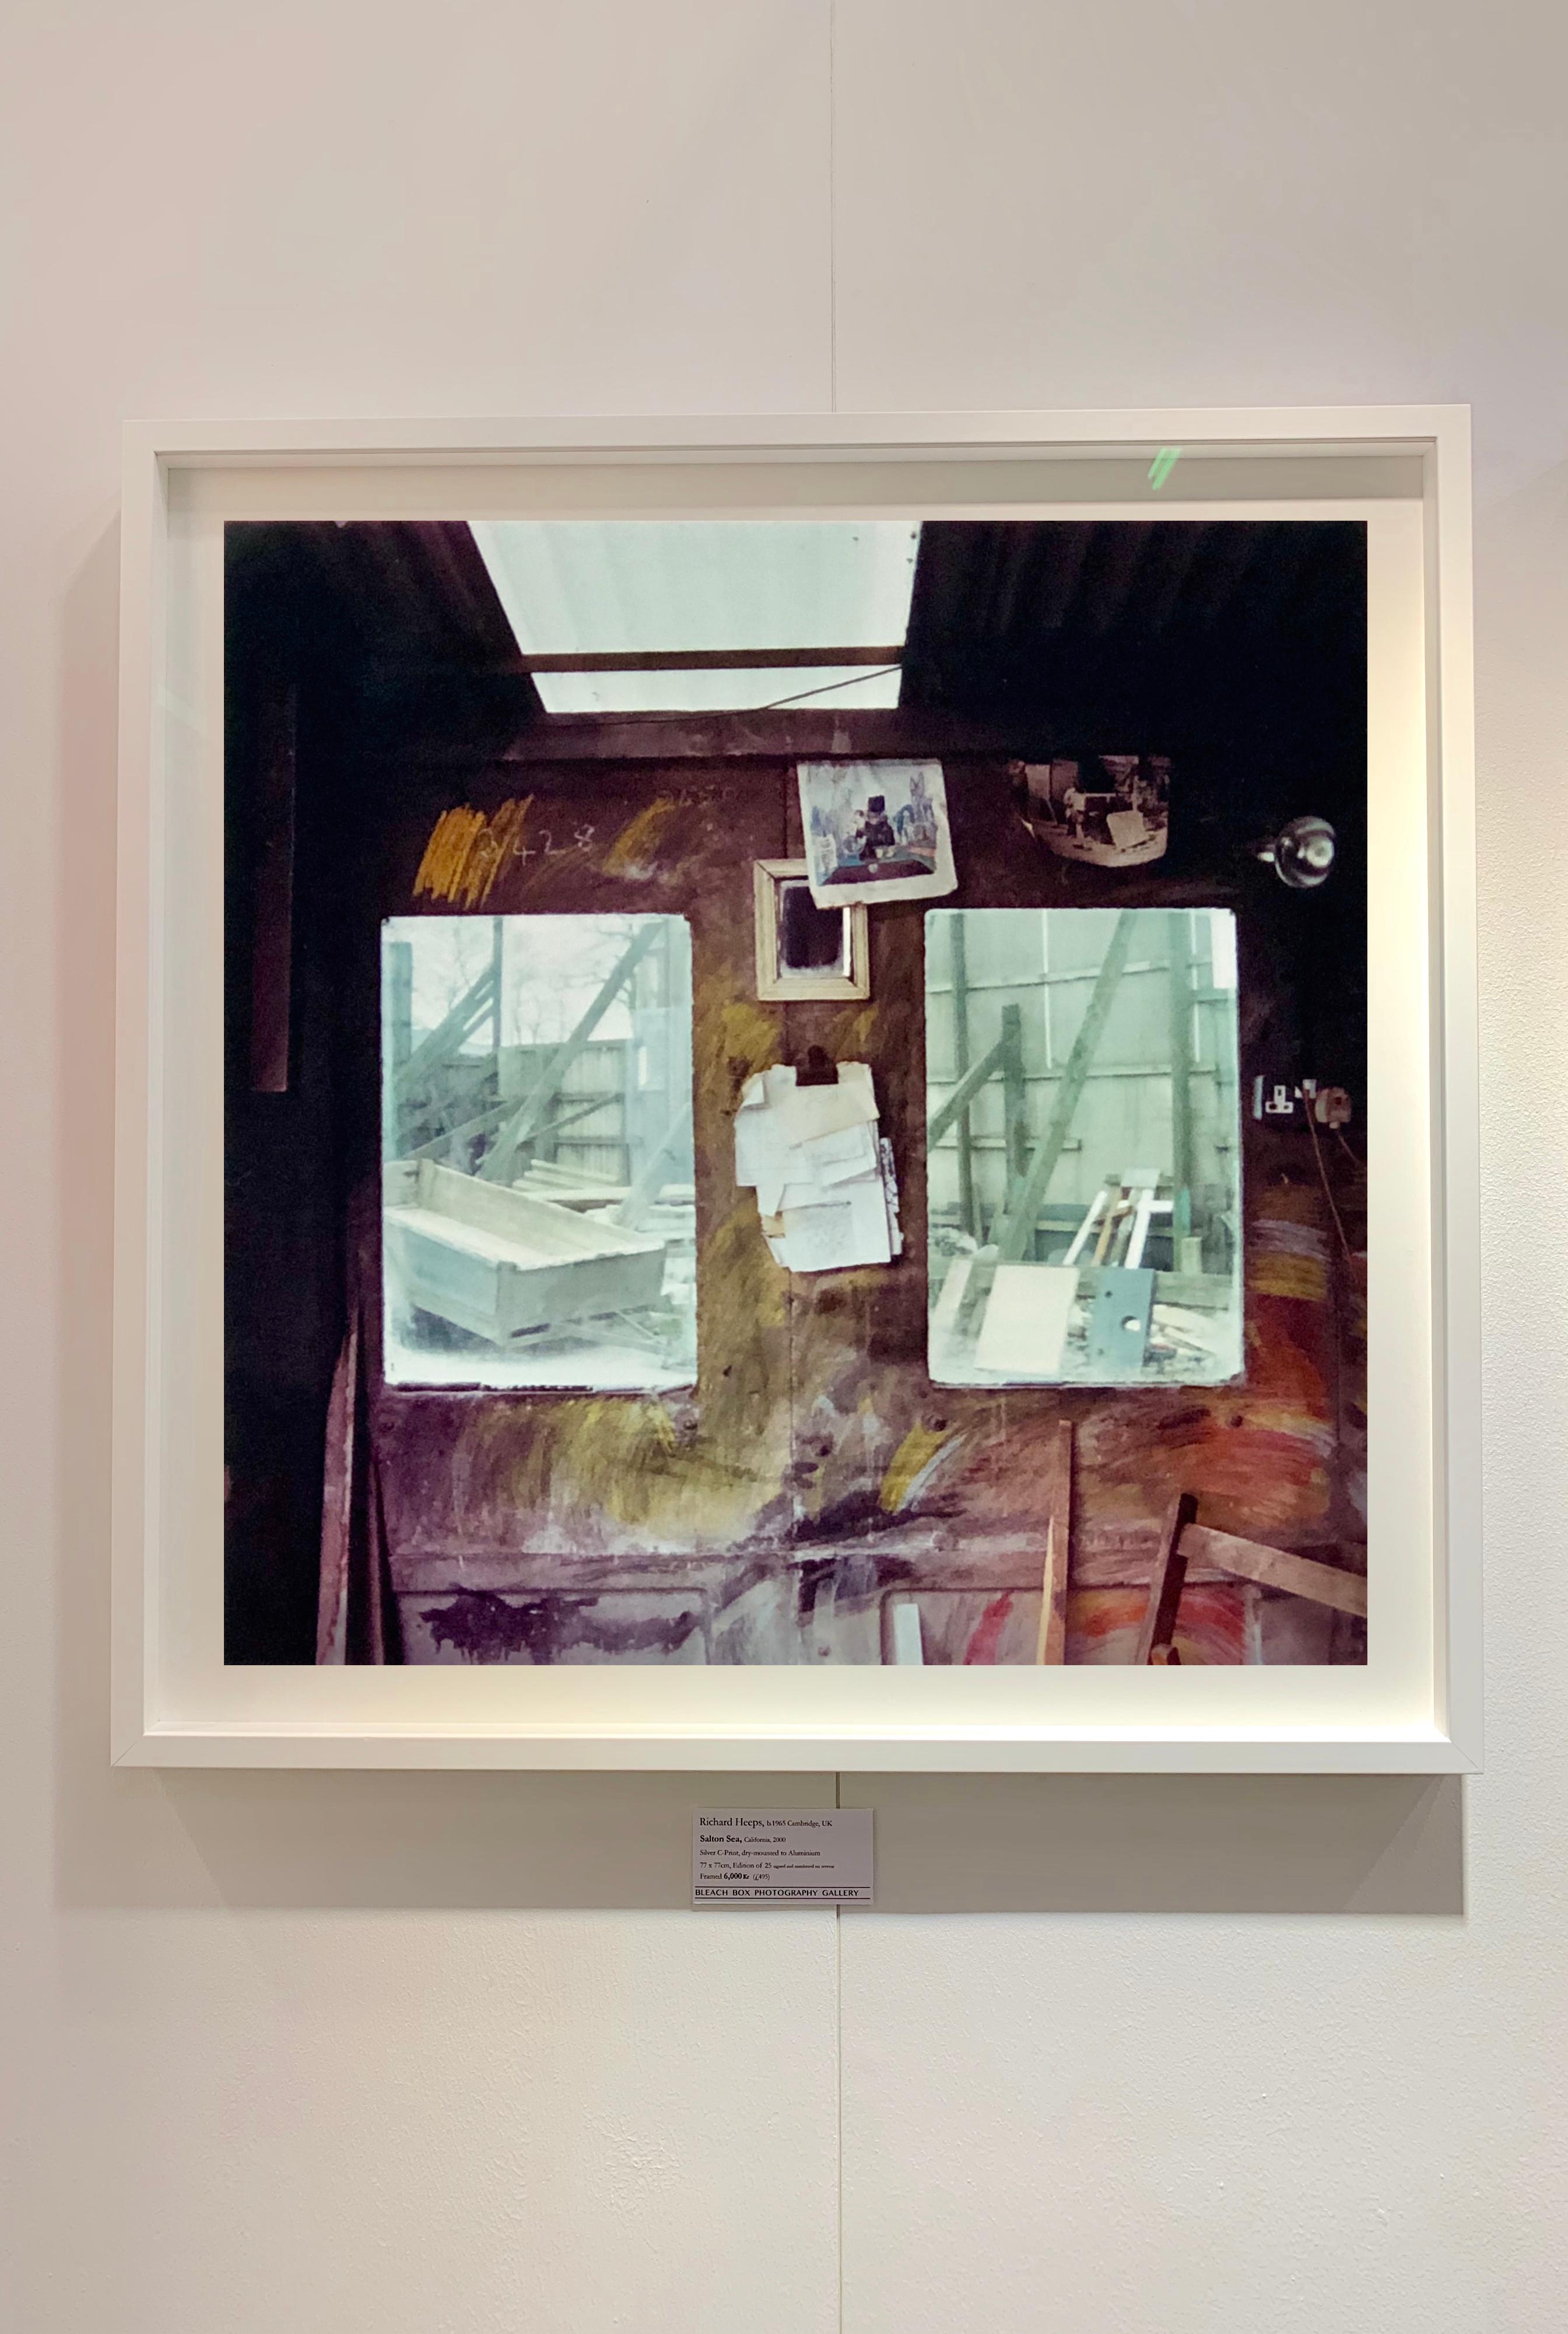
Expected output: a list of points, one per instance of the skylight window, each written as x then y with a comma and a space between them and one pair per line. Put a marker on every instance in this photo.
702, 615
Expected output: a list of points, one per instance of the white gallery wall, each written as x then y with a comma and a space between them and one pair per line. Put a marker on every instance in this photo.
395, 2055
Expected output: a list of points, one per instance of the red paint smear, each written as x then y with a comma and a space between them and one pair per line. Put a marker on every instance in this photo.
1102, 1625
982, 1646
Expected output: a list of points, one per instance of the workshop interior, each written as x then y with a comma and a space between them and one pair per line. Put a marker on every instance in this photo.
796, 1091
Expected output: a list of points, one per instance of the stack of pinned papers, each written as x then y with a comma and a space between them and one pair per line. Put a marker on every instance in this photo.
821, 1168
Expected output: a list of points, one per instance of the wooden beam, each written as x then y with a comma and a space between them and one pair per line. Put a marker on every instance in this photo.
1014, 1233
1276, 1568
1166, 1581
535, 1108
707, 660
464, 1017
1017, 1232
1051, 1644
337, 1503
963, 1095
960, 1061
1181, 1105
1014, 1105
463, 718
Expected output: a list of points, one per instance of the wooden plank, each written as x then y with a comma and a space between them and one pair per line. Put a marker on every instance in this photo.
536, 1105
785, 733
465, 1017
1013, 1236
1052, 1645
1181, 1066
1014, 1103
707, 660
963, 1095
1276, 1568
1165, 1582
961, 1063
337, 1504
1017, 1232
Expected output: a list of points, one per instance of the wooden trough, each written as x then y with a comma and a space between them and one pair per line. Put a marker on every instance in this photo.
501, 1263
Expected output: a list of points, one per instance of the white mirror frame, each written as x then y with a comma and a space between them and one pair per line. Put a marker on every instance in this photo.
1414, 1707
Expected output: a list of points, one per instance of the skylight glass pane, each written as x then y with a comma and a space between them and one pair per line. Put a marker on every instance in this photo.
578, 587
715, 692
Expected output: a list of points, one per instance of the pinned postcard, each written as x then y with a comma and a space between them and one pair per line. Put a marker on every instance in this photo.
820, 1168
876, 831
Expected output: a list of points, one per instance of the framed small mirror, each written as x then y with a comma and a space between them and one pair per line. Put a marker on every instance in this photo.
806, 953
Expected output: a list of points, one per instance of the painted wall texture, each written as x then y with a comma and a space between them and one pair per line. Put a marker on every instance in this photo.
401, 2053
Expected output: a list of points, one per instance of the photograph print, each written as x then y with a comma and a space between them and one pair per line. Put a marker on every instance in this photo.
1111, 810
876, 829
547, 842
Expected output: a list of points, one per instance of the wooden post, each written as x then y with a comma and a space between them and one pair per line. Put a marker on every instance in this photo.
966, 1206
1014, 1235
1181, 1062
1051, 1643
963, 1095
538, 1103
1014, 1103
453, 1033
1165, 1582
397, 1039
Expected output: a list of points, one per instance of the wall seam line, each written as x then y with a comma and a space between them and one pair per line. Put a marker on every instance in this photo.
833, 204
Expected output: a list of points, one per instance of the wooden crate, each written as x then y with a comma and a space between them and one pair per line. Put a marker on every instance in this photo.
501, 1263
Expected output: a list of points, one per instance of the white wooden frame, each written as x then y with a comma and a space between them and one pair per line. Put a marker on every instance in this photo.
1416, 1704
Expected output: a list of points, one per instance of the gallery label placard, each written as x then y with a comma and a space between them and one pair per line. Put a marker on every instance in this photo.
781, 1856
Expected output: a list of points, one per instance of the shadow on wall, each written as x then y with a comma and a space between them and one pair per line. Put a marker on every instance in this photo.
1182, 1843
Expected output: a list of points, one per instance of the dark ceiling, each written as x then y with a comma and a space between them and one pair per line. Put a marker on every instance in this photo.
1030, 617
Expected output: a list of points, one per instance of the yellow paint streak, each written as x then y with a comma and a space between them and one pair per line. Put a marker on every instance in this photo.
634, 848
467, 852
854, 1034
741, 1032
1284, 1275
913, 1456
627, 1462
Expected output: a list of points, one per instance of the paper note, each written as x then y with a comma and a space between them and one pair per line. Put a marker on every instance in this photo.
781, 1856
808, 1111
848, 1227
835, 1158
820, 1168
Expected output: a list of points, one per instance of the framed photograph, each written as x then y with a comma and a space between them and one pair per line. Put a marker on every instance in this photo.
806, 952
501, 806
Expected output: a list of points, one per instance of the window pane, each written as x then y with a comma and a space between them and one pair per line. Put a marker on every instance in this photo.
1085, 1200
538, 1218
